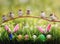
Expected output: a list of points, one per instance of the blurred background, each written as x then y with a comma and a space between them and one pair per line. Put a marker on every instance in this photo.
28, 25
36, 6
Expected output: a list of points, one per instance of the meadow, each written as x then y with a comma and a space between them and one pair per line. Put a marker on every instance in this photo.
28, 26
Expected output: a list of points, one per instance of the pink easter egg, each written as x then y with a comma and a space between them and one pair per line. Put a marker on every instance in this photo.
26, 37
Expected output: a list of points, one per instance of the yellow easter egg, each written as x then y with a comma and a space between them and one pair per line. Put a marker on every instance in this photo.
19, 37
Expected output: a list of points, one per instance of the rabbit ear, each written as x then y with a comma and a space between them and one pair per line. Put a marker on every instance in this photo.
48, 28
7, 28
16, 28
40, 29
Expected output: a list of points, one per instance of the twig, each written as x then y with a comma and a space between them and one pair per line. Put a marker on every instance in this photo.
31, 17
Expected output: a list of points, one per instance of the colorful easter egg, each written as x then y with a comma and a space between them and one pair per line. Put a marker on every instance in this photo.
42, 37
49, 36
19, 37
34, 36
26, 37
11, 36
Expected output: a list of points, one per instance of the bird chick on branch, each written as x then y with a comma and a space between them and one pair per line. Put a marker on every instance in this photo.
11, 15
43, 15
28, 12
20, 13
4, 18
53, 17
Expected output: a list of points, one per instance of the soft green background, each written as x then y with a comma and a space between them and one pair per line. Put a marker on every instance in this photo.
36, 6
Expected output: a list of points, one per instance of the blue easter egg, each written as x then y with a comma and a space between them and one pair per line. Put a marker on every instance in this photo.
10, 36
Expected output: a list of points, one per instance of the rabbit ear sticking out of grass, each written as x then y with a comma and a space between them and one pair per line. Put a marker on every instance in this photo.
7, 29
16, 28
48, 28
10, 34
42, 30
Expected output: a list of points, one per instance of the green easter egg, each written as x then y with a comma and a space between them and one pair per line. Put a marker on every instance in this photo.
42, 37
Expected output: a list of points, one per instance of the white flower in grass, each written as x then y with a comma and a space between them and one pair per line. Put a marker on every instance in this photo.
3, 24
34, 36
26, 26
56, 25
53, 25
44, 26
40, 21
31, 28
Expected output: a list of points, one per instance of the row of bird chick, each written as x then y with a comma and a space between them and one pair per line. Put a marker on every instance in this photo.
52, 16
28, 12
11, 14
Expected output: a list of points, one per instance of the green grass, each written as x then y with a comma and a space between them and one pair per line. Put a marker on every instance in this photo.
31, 30
36, 7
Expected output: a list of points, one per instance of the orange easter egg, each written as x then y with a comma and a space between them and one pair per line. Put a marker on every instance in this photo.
19, 37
